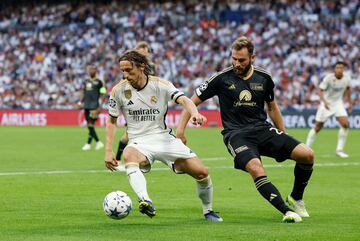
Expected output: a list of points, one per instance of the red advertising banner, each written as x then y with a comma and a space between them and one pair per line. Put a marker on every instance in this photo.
76, 118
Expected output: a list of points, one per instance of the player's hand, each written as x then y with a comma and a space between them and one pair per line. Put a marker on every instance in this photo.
110, 162
350, 109
181, 135
327, 105
198, 119
80, 105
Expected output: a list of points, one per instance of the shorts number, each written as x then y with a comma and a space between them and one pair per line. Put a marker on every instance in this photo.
279, 132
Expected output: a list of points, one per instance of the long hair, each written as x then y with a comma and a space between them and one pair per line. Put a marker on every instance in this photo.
138, 59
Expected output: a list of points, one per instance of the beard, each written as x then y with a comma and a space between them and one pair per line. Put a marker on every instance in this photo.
339, 76
242, 71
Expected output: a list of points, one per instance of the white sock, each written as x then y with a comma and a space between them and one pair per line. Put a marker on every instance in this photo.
137, 181
341, 139
205, 192
311, 137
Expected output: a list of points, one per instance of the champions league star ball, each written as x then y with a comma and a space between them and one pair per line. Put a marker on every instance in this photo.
117, 205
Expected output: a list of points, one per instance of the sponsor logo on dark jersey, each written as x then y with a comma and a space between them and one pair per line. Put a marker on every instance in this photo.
257, 86
245, 97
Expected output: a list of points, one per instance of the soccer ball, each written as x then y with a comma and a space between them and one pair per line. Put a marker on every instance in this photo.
117, 205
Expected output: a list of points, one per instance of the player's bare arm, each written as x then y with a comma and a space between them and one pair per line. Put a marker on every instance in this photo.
348, 97
195, 117
110, 160
275, 115
80, 104
185, 117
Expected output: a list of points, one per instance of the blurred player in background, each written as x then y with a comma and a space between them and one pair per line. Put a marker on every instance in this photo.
331, 91
144, 48
243, 89
143, 100
91, 99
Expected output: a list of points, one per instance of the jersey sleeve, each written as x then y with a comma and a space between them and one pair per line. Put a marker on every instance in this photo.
269, 94
172, 92
114, 105
207, 89
325, 83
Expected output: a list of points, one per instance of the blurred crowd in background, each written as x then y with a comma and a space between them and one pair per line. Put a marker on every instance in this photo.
45, 47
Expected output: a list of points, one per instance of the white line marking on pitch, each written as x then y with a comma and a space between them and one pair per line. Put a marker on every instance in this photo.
326, 164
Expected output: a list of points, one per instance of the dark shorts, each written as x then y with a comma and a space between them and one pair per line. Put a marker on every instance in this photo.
257, 141
90, 116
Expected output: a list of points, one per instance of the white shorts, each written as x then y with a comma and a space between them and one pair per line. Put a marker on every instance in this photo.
162, 147
337, 109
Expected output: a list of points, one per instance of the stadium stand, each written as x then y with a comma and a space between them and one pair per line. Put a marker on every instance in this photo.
44, 47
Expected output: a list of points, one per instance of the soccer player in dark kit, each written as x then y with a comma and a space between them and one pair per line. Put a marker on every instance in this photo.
91, 99
243, 89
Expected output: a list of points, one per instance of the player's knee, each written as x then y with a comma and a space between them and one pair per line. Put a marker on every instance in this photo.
202, 173
309, 156
128, 155
345, 125
255, 168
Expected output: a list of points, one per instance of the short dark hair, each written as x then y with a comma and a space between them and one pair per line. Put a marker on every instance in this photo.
341, 63
135, 57
243, 42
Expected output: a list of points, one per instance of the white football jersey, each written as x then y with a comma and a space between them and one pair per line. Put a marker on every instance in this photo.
144, 110
334, 88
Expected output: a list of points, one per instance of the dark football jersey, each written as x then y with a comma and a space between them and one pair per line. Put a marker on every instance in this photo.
241, 100
92, 93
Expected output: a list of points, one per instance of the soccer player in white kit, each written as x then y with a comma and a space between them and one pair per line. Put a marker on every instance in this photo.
143, 99
331, 91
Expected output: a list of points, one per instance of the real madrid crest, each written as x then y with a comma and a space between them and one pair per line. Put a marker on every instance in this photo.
153, 99
127, 94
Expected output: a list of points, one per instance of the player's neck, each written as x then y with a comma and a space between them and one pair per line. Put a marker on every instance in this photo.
248, 74
339, 76
143, 80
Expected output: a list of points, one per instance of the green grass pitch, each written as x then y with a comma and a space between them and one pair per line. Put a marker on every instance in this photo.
52, 190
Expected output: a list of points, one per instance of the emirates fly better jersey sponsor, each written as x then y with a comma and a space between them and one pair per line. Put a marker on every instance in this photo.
144, 110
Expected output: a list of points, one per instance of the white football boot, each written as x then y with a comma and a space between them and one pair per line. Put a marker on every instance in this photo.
298, 206
291, 217
342, 154
99, 145
86, 147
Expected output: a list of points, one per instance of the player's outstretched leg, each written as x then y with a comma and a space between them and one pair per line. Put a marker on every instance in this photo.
134, 159
195, 168
269, 191
342, 136
205, 193
304, 157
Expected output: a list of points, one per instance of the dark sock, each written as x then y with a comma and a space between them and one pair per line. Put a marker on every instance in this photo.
93, 133
302, 174
271, 194
89, 137
120, 150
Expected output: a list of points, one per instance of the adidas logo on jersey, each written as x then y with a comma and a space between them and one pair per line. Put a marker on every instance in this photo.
130, 103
